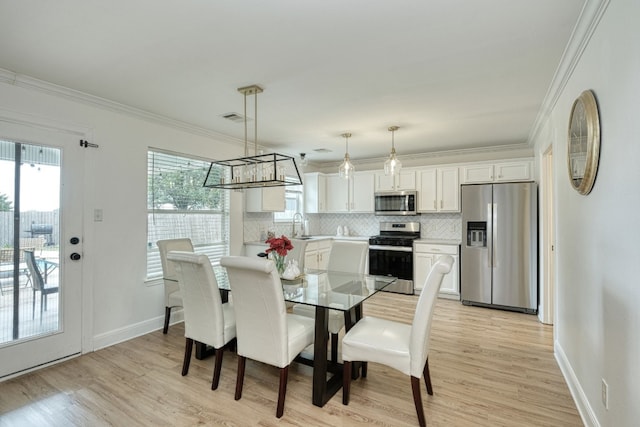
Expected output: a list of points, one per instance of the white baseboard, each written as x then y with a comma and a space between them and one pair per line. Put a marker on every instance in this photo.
132, 331
579, 397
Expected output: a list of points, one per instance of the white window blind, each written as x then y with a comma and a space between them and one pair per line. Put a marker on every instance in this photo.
178, 206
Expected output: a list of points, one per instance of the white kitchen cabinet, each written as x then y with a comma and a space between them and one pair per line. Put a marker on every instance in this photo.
270, 199
519, 170
316, 255
337, 193
405, 180
424, 256
513, 171
439, 190
355, 195
315, 192
361, 197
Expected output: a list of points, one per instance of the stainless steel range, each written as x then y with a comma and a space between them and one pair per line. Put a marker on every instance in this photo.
391, 254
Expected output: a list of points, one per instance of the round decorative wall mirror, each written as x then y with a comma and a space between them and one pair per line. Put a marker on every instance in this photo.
584, 142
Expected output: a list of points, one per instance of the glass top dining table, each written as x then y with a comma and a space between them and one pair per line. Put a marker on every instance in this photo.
325, 290
322, 288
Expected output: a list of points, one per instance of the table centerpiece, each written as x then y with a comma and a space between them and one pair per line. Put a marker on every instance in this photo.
278, 249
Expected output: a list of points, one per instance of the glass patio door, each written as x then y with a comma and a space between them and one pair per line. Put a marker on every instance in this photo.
41, 190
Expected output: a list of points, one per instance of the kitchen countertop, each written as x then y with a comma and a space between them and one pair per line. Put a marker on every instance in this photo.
325, 237
344, 237
438, 241
315, 238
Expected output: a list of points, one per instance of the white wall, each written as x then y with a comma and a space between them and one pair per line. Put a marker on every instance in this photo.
597, 325
122, 304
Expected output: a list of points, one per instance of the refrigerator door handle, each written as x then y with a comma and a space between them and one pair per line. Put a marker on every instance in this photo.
490, 225
494, 235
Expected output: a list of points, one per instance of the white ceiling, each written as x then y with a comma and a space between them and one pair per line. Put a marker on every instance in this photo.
453, 74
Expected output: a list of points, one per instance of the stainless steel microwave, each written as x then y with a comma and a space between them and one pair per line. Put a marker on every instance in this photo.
396, 203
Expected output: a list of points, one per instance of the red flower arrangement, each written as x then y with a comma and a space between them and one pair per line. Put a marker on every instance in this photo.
278, 247
281, 245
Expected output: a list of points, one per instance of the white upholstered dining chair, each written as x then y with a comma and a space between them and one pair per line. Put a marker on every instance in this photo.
349, 257
266, 332
397, 345
206, 318
172, 294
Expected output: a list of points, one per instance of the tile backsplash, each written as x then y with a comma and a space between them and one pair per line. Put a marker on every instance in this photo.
446, 226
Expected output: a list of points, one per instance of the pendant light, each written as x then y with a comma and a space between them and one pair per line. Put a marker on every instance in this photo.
257, 171
393, 165
346, 168
303, 160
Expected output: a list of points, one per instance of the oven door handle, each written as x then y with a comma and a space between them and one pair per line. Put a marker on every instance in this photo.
391, 248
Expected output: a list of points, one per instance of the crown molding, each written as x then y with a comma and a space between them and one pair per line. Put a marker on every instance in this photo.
31, 83
588, 21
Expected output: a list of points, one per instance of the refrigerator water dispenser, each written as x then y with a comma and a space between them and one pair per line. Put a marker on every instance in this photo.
477, 234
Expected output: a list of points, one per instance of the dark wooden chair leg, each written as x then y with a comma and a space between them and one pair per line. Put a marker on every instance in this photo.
417, 399
346, 382
188, 346
334, 348
167, 316
240, 377
217, 368
364, 369
282, 390
427, 378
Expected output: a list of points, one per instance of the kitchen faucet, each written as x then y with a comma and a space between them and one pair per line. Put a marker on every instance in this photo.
293, 225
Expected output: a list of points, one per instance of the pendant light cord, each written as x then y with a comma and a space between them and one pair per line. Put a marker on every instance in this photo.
255, 129
246, 149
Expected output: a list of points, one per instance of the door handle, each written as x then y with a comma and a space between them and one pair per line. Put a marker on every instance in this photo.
494, 237
489, 235
75, 256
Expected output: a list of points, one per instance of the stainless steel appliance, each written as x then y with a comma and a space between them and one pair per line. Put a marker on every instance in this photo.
391, 254
498, 260
396, 202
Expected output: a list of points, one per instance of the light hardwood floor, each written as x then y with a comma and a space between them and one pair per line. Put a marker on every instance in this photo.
488, 368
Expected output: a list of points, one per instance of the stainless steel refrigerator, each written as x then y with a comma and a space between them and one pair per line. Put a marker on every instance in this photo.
499, 255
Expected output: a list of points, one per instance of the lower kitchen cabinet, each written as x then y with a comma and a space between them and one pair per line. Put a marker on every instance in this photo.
424, 256
316, 255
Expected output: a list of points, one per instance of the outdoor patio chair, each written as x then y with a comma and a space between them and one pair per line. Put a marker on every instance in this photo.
38, 283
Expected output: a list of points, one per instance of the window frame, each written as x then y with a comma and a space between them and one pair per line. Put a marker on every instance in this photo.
198, 223
291, 192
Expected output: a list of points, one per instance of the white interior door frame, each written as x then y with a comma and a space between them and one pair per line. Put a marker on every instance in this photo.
547, 288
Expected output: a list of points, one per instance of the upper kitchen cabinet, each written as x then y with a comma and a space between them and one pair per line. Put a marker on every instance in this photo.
269, 199
406, 180
315, 192
439, 190
520, 170
354, 195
